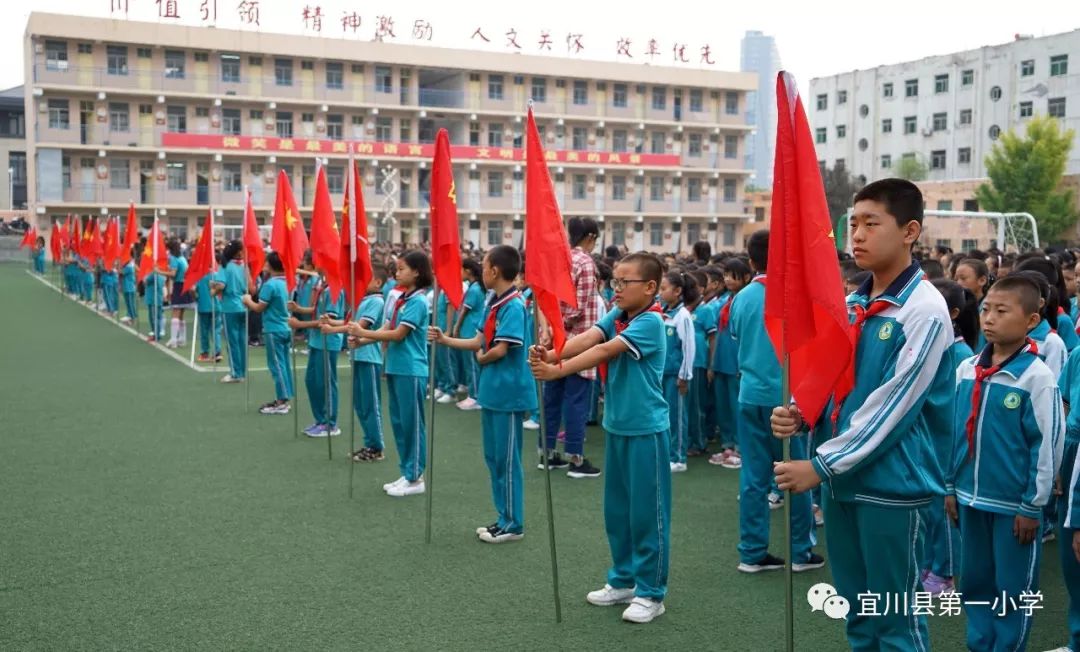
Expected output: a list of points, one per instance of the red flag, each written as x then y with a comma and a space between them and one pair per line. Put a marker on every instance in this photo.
445, 241
287, 236
547, 270
153, 251
65, 234
355, 255
202, 259
112, 243
131, 235
96, 249
56, 238
253, 246
76, 236
325, 240
29, 238
805, 311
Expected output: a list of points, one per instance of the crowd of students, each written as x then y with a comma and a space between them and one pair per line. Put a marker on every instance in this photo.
945, 468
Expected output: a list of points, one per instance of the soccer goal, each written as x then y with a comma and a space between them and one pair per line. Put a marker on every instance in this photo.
1013, 232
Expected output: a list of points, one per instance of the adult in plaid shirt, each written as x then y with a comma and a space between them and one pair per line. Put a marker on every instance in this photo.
567, 400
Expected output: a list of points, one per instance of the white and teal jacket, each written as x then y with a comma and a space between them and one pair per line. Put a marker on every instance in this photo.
1018, 435
883, 450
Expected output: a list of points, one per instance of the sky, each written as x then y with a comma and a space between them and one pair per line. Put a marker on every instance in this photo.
815, 37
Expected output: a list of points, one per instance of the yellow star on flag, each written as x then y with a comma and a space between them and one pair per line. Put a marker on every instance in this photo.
832, 234
453, 192
290, 220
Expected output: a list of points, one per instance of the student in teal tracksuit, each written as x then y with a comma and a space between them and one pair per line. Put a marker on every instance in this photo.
320, 379
1069, 502
407, 369
129, 287
86, 279
675, 289
1008, 447
232, 288
153, 294
209, 316
445, 378
507, 392
879, 469
109, 287
39, 256
637, 485
703, 315
725, 368
273, 305
468, 321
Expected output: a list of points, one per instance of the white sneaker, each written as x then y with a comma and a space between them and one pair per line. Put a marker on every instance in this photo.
1063, 648
229, 378
678, 467
643, 610
125, 320
390, 485
407, 489
530, 425
609, 595
776, 501
445, 398
468, 405
439, 394
335, 431
500, 536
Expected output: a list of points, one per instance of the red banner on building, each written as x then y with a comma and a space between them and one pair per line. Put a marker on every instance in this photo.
405, 150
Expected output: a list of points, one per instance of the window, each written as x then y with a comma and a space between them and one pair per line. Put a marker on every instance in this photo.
864, 111
174, 64
886, 126
995, 93
357, 68
230, 122
283, 72
59, 116
963, 155
177, 119
965, 116
841, 97
693, 232
539, 89
911, 88
731, 146
384, 79
731, 103
231, 178
202, 112
1055, 107
405, 130
283, 124
994, 132
839, 164
335, 179
202, 56
307, 117
1026, 109
495, 87
694, 145
940, 121
821, 135
65, 171
495, 184
937, 159
1027, 68
176, 173
495, 134
579, 138
119, 117
619, 142
335, 75
886, 161
910, 124
119, 173
656, 234
56, 57
697, 100
656, 142
841, 131
384, 129
474, 134
85, 48
335, 126
944, 205
255, 62
729, 190
581, 92
307, 65
693, 189
887, 89
1059, 65
656, 188
494, 232
659, 98
117, 59
579, 186
618, 233
967, 78
822, 102
941, 83
971, 205
729, 235
230, 68
618, 187
144, 53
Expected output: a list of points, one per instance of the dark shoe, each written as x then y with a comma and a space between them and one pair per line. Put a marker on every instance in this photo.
556, 461
812, 562
583, 470
766, 563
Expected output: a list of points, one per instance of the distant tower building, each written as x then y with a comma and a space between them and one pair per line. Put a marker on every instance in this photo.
760, 56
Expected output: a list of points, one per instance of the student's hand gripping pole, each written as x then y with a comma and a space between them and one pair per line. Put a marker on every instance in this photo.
547, 478
789, 595
431, 425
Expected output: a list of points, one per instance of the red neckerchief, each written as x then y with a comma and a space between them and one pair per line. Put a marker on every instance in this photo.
861, 315
725, 312
405, 296
493, 311
981, 374
622, 323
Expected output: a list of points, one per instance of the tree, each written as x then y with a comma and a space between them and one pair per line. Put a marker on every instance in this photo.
911, 168
1025, 176
840, 189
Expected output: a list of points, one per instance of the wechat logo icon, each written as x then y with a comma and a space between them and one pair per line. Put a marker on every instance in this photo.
823, 597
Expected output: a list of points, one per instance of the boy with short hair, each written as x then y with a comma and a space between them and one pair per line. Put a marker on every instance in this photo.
880, 464
273, 305
637, 485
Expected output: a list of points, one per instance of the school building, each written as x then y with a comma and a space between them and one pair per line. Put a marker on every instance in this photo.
179, 119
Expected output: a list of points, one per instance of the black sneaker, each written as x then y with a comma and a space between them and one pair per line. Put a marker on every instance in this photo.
812, 562
490, 528
499, 535
766, 563
556, 461
583, 470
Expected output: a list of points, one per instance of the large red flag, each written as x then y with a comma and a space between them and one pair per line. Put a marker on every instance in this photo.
56, 239
88, 237
202, 259
325, 241
131, 235
65, 234
805, 311
112, 243
355, 255
96, 248
445, 240
547, 269
76, 236
29, 238
153, 251
287, 236
254, 253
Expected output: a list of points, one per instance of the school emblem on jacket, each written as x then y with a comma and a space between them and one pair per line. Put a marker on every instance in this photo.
1012, 400
886, 331
671, 331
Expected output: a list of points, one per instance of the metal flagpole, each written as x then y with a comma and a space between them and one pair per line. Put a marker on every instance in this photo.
547, 476
326, 390
247, 313
351, 192
789, 591
431, 427
194, 336
296, 385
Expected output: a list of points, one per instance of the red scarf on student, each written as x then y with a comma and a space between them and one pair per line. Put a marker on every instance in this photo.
405, 296
861, 315
493, 312
981, 374
621, 324
725, 312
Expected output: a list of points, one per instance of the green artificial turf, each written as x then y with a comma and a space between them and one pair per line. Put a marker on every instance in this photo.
141, 507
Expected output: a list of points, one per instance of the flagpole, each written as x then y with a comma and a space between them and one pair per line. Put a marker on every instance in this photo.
351, 191
194, 336
431, 428
247, 279
547, 476
789, 591
296, 390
